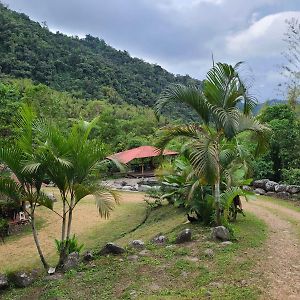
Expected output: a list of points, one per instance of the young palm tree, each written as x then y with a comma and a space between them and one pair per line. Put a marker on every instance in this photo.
25, 187
224, 109
72, 161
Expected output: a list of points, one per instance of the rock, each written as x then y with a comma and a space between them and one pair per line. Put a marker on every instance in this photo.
148, 182
128, 188
123, 183
133, 257
184, 274
71, 262
145, 253
283, 195
3, 282
293, 189
51, 197
220, 233
209, 253
51, 271
260, 183
280, 188
226, 243
137, 244
184, 236
271, 194
21, 279
270, 186
88, 255
160, 239
144, 188
247, 188
111, 248
259, 191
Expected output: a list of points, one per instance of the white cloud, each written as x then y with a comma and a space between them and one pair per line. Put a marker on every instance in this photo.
264, 38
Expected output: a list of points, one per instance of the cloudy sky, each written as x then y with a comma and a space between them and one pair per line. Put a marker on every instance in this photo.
181, 35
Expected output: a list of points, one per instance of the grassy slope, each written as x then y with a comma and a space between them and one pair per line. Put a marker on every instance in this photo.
168, 273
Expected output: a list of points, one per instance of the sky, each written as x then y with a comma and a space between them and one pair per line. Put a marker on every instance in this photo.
182, 35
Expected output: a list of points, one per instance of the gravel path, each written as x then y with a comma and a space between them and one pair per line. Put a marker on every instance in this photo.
280, 264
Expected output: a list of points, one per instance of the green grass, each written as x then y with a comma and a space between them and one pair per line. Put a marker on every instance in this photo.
291, 204
169, 273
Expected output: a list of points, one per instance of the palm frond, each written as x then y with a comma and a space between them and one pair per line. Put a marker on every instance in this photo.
190, 95
11, 189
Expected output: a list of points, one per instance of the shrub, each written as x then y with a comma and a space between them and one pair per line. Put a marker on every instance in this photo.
291, 176
73, 245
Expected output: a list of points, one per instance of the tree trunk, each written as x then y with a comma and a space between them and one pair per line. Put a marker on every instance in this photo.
63, 253
37, 243
218, 203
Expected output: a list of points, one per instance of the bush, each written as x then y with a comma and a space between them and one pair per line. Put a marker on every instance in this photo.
3, 228
291, 176
73, 245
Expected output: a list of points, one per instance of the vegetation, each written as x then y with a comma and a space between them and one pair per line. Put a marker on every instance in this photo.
281, 161
166, 272
213, 142
86, 68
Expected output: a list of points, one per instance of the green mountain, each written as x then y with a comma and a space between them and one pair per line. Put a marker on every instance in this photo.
86, 68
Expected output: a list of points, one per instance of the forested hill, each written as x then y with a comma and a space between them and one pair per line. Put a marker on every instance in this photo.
87, 68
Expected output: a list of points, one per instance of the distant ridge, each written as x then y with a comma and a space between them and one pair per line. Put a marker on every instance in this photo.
86, 68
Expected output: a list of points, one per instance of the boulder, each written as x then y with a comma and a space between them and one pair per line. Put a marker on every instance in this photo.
184, 236
160, 239
51, 271
137, 244
128, 188
293, 189
270, 186
260, 183
88, 256
259, 191
280, 188
111, 248
148, 181
144, 188
21, 279
271, 194
71, 262
220, 233
283, 195
3, 282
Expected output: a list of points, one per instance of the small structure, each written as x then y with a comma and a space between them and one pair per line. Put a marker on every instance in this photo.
144, 159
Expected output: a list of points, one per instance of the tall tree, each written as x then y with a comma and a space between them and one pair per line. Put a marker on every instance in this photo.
24, 186
218, 105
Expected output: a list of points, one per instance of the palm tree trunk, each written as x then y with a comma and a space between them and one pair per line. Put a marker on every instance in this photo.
218, 202
37, 243
63, 250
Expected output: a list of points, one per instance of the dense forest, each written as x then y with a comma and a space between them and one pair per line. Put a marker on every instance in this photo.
86, 68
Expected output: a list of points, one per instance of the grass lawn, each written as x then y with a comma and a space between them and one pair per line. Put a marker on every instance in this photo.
168, 272
88, 226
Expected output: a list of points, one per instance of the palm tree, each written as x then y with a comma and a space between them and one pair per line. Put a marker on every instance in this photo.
224, 109
25, 187
72, 160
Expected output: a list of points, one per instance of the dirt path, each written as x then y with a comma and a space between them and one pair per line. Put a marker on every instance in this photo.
280, 264
21, 253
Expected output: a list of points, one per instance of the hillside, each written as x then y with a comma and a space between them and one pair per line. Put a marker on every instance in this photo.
86, 68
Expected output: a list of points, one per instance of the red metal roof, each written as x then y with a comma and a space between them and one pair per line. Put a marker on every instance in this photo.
140, 152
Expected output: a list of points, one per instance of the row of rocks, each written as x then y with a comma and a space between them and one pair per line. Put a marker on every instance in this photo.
273, 189
133, 184
24, 279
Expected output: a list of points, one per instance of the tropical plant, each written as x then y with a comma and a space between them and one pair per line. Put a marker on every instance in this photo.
73, 245
224, 109
72, 160
24, 187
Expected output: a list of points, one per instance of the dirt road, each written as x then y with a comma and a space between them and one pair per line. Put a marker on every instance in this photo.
280, 262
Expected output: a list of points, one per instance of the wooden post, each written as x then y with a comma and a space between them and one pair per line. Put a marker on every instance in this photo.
142, 168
